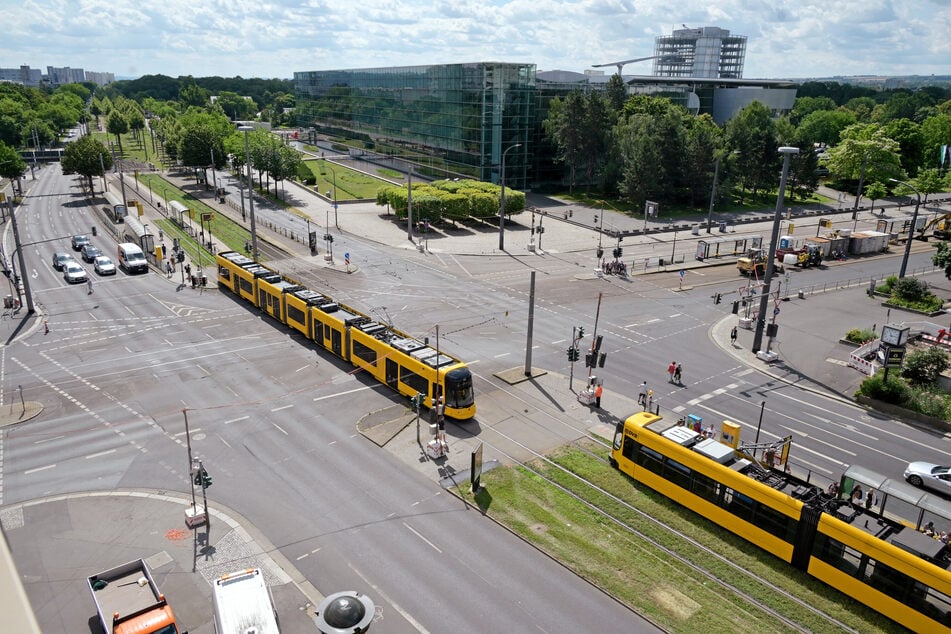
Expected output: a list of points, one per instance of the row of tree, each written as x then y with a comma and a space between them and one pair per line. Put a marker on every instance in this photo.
646, 148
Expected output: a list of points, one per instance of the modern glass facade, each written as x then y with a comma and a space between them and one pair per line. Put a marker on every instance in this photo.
447, 120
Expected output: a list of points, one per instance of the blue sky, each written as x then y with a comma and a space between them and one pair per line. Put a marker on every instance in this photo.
274, 38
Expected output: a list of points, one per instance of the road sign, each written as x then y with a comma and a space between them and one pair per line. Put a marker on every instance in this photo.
775, 311
682, 273
346, 257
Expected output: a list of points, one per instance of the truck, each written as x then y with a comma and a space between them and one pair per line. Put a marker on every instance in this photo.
243, 604
129, 602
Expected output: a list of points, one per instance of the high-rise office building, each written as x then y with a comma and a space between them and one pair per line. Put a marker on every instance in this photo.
705, 52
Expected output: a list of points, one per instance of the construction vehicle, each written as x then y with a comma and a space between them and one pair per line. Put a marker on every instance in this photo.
942, 228
752, 264
803, 257
128, 600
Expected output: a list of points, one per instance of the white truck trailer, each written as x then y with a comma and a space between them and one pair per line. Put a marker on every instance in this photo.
128, 600
243, 604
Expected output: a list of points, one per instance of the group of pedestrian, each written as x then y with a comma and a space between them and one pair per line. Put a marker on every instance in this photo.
645, 396
860, 499
674, 372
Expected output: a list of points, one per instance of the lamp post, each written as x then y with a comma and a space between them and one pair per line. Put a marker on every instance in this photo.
713, 192
247, 152
502, 202
332, 171
787, 153
911, 230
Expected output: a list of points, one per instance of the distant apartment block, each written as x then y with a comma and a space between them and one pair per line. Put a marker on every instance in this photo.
54, 76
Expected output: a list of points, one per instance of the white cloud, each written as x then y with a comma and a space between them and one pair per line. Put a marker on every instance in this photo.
254, 38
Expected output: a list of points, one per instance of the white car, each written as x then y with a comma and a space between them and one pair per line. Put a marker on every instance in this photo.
73, 273
104, 265
929, 475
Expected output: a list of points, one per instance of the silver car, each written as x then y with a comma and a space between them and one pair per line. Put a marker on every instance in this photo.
104, 265
929, 475
73, 273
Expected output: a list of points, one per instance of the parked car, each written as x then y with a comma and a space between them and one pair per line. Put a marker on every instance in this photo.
79, 241
60, 260
929, 475
90, 253
73, 273
104, 265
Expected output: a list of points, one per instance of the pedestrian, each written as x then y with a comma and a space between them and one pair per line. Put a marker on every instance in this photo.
869, 499
678, 372
733, 336
650, 399
642, 394
597, 395
188, 269
89, 285
670, 371
46, 325
168, 268
856, 495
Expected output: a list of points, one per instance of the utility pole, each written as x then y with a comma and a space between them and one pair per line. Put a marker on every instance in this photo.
531, 325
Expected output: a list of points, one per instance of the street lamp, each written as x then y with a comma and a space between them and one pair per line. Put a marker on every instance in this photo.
713, 192
502, 203
911, 230
787, 153
332, 171
247, 152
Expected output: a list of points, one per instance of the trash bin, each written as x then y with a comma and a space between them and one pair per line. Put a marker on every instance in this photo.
8, 301
722, 227
695, 230
204, 280
194, 281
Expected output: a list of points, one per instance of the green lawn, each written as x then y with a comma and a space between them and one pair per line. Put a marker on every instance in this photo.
350, 184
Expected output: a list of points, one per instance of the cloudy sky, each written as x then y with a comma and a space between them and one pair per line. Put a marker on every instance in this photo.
274, 38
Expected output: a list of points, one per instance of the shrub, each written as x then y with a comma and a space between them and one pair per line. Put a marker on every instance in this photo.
923, 367
860, 335
911, 289
895, 391
929, 403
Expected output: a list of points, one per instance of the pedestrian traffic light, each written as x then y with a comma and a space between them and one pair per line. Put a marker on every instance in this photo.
589, 359
736, 307
600, 253
602, 358
716, 298
197, 478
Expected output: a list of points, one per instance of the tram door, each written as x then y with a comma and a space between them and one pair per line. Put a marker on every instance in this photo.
392, 374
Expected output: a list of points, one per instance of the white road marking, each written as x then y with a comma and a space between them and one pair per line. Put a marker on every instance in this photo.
277, 409
101, 453
415, 532
235, 420
280, 429
40, 442
29, 471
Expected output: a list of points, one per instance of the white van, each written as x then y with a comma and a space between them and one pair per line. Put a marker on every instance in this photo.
132, 259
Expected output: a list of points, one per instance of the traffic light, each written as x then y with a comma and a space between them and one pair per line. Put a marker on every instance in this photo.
716, 298
572, 354
205, 479
580, 332
197, 478
620, 252
602, 358
94, 230
181, 256
600, 253
589, 359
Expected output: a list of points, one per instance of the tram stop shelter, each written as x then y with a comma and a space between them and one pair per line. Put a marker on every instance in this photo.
727, 247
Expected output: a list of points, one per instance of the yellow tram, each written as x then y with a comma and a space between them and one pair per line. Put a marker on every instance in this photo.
392, 357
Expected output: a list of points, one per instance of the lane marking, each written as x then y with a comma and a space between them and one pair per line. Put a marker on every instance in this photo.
277, 409
29, 471
100, 454
280, 430
415, 532
235, 420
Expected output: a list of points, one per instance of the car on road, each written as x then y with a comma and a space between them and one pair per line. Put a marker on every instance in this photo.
60, 260
104, 265
929, 475
74, 273
90, 253
79, 241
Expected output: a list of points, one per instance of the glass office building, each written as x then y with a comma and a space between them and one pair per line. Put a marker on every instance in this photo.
451, 120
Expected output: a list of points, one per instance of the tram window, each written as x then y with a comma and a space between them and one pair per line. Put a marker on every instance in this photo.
415, 381
224, 273
836, 554
677, 474
773, 522
327, 331
245, 285
295, 314
361, 351
704, 487
738, 504
628, 447
650, 460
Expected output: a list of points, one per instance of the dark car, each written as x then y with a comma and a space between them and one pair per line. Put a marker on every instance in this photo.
60, 260
90, 253
79, 241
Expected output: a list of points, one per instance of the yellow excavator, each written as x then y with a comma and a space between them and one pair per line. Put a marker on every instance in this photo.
752, 264
941, 225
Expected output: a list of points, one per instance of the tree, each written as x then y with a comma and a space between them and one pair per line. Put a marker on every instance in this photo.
117, 124
234, 106
923, 367
86, 156
824, 126
563, 127
927, 182
198, 145
191, 94
910, 143
942, 257
875, 191
752, 134
866, 153
12, 165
